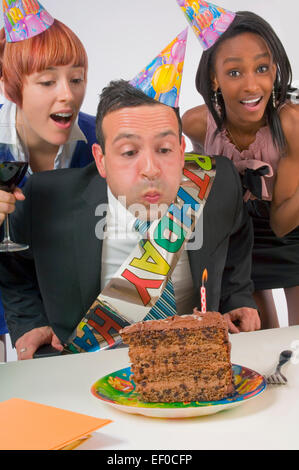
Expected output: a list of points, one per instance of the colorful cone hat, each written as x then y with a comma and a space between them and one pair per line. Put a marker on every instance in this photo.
208, 21
162, 78
24, 19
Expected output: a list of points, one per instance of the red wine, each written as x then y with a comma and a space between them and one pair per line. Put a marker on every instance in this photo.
11, 174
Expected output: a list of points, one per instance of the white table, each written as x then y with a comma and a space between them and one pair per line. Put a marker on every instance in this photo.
269, 421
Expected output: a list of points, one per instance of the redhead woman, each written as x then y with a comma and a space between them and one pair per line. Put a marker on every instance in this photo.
43, 79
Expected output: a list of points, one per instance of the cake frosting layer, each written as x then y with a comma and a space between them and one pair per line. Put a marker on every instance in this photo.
199, 353
193, 321
205, 371
176, 391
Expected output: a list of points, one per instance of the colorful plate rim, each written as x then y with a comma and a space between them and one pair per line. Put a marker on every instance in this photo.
117, 389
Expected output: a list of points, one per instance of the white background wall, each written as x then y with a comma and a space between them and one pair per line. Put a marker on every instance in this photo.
122, 36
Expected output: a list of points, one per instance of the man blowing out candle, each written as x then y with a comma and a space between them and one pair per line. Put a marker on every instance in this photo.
139, 157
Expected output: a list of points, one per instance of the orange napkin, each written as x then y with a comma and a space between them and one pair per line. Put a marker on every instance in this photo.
26, 425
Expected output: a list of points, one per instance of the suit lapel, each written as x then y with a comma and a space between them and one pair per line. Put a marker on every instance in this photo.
88, 247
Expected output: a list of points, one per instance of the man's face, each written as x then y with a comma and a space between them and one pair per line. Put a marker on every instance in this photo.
144, 157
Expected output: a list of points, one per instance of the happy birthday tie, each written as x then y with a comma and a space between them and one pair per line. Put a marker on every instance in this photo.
166, 304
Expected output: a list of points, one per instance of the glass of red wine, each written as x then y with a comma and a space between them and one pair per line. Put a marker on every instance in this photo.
13, 168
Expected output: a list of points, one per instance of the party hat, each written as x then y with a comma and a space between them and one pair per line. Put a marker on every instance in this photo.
161, 78
208, 21
24, 19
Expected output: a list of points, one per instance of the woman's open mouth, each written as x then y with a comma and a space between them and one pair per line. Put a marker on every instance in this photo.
252, 103
63, 120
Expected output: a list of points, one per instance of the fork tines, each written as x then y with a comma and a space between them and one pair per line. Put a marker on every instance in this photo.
276, 379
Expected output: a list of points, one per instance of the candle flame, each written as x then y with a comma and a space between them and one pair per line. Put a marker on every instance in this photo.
204, 276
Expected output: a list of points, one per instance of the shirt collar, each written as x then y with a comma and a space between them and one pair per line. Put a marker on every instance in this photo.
76, 133
118, 215
8, 116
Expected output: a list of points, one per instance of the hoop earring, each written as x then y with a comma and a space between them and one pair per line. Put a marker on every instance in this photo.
274, 98
216, 99
216, 102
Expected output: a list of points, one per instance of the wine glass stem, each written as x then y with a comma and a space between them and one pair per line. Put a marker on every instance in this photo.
6, 230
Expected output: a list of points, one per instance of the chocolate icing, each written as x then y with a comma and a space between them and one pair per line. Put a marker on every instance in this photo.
193, 321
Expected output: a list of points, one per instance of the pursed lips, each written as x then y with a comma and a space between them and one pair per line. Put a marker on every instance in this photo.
151, 196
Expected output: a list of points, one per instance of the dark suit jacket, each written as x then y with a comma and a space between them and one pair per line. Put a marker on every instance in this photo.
57, 280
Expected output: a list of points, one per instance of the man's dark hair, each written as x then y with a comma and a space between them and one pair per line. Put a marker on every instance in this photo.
120, 94
246, 21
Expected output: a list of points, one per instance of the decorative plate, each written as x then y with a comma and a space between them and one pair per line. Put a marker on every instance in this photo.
118, 390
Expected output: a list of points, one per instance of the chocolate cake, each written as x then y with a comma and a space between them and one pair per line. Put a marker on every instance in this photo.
181, 358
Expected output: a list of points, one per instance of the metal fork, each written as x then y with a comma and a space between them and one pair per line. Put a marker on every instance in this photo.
278, 378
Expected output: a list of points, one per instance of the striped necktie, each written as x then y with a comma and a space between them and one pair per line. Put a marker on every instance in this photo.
165, 305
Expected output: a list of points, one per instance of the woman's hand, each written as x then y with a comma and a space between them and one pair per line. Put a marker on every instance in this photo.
7, 202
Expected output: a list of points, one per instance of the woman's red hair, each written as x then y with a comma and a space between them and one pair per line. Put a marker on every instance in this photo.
56, 46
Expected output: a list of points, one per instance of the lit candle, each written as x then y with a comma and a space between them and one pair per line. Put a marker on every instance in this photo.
203, 292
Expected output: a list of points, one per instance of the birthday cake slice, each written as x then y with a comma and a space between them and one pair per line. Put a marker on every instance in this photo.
181, 358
